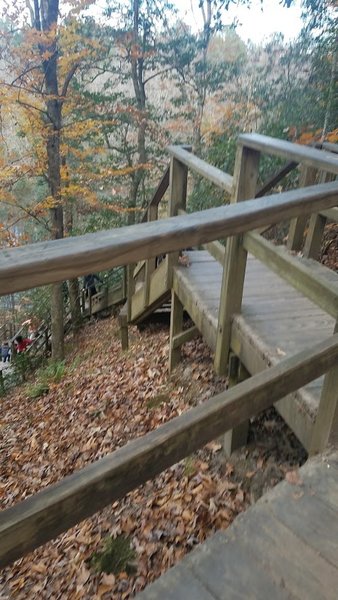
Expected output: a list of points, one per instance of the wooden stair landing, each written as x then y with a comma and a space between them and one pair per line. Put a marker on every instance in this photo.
285, 547
276, 322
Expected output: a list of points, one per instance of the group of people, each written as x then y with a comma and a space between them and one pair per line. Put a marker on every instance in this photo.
21, 343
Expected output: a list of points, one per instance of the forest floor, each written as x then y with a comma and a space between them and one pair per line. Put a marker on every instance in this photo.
105, 398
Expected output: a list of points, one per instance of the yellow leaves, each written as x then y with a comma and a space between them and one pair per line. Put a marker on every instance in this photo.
332, 136
311, 136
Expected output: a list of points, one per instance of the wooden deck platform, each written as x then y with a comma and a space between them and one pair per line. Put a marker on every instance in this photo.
284, 547
276, 322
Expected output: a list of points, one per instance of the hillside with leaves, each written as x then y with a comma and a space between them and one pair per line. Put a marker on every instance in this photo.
94, 403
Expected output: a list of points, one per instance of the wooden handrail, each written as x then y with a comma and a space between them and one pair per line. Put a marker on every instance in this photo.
276, 178
306, 155
42, 263
313, 280
52, 511
158, 195
220, 178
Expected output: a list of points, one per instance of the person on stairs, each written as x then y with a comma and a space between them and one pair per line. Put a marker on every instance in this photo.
89, 284
21, 343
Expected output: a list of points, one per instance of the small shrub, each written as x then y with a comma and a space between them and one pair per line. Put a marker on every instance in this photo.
52, 373
116, 556
37, 390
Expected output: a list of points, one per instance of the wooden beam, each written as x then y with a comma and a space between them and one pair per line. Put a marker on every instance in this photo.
42, 263
158, 195
217, 251
176, 326
331, 214
216, 176
185, 336
52, 511
245, 177
306, 155
326, 426
297, 226
316, 228
315, 281
276, 178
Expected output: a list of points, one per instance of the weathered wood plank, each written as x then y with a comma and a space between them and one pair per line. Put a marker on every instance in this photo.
297, 226
304, 154
245, 181
316, 227
326, 426
161, 189
317, 530
185, 336
47, 262
278, 550
199, 166
176, 326
181, 585
276, 178
57, 508
317, 284
230, 571
217, 250
260, 557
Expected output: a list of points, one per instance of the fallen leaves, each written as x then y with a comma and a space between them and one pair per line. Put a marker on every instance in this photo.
109, 399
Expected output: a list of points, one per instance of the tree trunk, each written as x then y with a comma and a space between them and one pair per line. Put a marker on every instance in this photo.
75, 306
73, 284
137, 75
57, 322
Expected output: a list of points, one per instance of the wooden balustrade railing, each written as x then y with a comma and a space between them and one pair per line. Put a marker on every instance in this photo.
52, 511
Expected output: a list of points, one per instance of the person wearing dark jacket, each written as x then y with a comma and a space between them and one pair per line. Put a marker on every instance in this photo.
89, 284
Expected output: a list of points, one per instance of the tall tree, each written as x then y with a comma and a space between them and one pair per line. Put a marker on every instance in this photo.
42, 55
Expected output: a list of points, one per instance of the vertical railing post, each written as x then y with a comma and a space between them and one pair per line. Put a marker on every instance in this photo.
151, 262
325, 430
297, 225
130, 289
124, 282
245, 182
177, 200
176, 326
316, 227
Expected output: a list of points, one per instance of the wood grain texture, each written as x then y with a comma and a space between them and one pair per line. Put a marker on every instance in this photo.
47, 262
315, 281
304, 154
245, 181
199, 166
57, 508
276, 549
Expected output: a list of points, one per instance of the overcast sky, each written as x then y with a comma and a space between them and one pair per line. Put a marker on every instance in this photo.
259, 21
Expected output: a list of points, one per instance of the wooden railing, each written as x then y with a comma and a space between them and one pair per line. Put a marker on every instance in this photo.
60, 506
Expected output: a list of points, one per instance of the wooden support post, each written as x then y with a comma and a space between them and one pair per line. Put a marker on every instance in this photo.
177, 201
185, 336
245, 181
316, 226
176, 327
325, 431
314, 236
151, 262
237, 437
297, 226
124, 282
130, 289
124, 331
